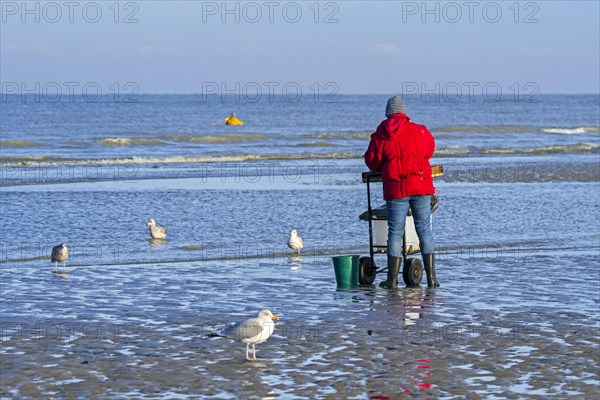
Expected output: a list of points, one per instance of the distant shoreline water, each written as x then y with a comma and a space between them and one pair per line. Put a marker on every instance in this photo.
246, 137
449, 151
174, 129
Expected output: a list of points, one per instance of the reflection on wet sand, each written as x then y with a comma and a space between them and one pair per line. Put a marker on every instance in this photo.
156, 242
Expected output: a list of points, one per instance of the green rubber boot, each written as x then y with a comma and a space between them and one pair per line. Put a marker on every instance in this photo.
392, 273
429, 261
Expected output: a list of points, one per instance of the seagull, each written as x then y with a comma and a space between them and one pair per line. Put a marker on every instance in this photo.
157, 232
256, 330
59, 253
295, 242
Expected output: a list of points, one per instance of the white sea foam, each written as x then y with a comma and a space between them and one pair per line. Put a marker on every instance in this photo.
572, 131
68, 381
515, 129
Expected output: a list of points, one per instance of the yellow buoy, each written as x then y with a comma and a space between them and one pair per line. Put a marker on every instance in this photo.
233, 120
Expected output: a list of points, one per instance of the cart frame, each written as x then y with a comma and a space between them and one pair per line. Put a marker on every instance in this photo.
412, 271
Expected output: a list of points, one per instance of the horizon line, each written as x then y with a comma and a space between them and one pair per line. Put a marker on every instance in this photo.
280, 95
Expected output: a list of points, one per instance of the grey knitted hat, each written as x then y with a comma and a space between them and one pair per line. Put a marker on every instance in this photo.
395, 105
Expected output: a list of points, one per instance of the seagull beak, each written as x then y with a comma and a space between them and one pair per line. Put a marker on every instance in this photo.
275, 318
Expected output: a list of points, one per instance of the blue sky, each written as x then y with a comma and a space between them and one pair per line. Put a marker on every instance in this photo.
367, 46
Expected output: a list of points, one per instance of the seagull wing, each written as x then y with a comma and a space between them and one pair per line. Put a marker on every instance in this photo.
252, 330
55, 255
224, 331
295, 243
59, 254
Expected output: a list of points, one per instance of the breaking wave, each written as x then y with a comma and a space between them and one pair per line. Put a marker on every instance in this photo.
573, 131
515, 129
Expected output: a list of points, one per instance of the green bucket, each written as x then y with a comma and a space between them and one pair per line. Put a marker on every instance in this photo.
355, 267
346, 270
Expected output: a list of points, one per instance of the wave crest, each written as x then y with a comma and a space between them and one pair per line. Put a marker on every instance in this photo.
573, 131
515, 129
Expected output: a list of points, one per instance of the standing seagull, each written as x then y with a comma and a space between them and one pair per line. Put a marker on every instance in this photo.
256, 330
295, 242
59, 253
157, 232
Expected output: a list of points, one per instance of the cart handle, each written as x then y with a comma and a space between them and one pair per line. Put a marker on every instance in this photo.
373, 176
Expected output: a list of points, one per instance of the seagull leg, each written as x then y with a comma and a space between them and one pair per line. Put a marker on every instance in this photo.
247, 348
254, 352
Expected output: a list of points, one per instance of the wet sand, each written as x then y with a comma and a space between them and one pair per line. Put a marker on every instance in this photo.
516, 315
122, 339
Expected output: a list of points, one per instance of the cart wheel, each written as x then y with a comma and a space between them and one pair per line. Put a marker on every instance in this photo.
366, 271
412, 272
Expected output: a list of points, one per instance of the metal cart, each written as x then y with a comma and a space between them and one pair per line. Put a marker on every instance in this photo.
412, 271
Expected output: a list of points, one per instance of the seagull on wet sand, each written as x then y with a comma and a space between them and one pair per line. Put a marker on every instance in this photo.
295, 242
59, 253
256, 330
157, 232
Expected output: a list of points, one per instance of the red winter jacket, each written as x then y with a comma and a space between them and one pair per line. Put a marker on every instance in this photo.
400, 150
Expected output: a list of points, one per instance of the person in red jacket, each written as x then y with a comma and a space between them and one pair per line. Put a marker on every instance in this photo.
400, 150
